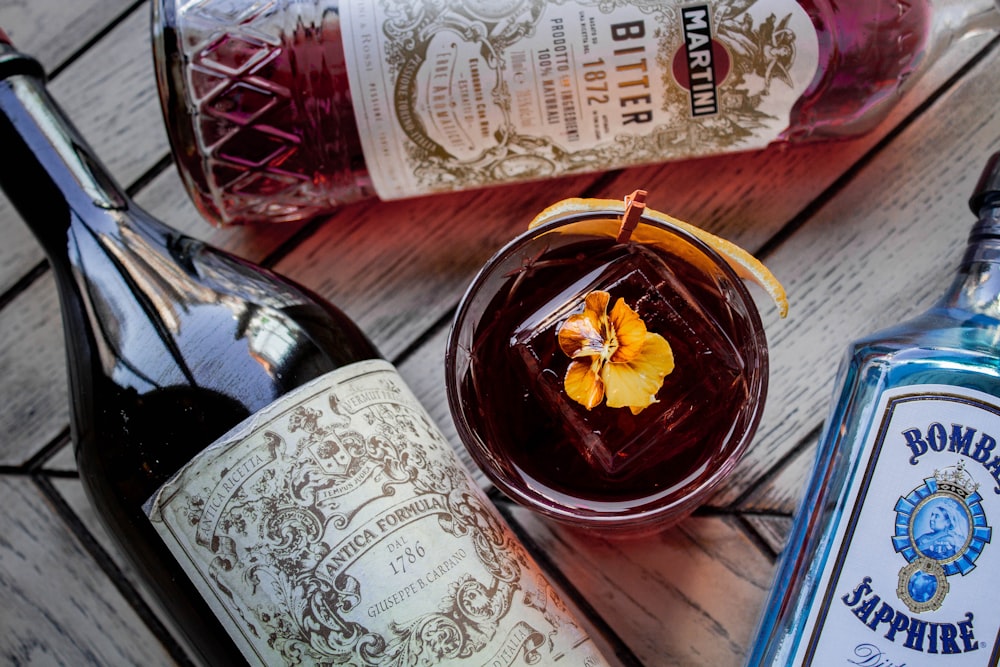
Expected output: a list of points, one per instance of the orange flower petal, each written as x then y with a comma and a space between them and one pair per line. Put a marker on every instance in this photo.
583, 384
634, 384
597, 302
580, 336
630, 332
585, 334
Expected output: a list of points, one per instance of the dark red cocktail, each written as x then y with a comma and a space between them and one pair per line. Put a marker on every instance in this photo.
541, 405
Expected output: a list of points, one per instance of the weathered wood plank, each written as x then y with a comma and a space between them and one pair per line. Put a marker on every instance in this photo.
773, 530
882, 250
35, 396
59, 608
53, 30
781, 492
397, 268
73, 492
688, 597
165, 198
110, 95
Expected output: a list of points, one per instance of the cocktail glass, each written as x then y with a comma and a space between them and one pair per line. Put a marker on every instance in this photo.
549, 385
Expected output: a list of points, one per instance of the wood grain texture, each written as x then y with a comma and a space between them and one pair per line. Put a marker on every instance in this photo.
687, 597
882, 250
35, 395
72, 492
109, 93
862, 232
772, 529
165, 198
58, 609
54, 30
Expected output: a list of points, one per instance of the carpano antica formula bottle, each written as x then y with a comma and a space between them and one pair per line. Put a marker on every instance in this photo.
337, 525
274, 482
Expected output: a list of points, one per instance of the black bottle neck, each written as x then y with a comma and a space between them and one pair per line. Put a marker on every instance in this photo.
46, 169
976, 288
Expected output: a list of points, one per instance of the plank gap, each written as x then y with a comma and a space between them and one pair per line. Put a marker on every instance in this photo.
292, 243
754, 536
97, 37
769, 475
111, 570
47, 452
23, 283
824, 197
150, 175
623, 653
442, 323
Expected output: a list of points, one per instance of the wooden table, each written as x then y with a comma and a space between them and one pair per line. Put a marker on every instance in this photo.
863, 233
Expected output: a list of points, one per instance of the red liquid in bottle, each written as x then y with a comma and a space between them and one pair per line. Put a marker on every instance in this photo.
867, 50
273, 133
263, 127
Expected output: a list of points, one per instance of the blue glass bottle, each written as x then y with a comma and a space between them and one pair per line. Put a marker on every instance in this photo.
892, 560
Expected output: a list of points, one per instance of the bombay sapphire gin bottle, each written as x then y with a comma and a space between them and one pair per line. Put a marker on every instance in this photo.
892, 560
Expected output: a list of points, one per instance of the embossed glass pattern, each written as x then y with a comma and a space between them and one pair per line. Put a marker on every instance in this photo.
258, 107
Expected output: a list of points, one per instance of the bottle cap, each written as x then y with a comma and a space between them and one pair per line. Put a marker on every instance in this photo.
988, 188
14, 62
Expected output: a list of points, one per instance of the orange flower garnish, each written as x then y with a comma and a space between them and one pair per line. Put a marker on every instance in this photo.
613, 356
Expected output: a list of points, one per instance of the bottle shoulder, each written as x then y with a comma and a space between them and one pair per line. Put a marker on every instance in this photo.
939, 328
938, 347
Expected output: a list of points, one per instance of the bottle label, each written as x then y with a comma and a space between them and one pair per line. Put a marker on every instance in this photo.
911, 573
463, 94
337, 526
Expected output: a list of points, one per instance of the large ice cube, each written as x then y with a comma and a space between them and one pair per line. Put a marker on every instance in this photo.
708, 366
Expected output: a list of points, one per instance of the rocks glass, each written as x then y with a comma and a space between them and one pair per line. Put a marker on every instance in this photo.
607, 384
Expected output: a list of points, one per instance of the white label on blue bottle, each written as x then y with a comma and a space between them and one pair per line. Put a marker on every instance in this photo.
455, 95
911, 575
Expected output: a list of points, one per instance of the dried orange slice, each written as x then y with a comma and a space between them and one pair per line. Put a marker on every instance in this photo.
743, 263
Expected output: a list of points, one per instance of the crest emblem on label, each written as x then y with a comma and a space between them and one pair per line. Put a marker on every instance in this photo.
941, 530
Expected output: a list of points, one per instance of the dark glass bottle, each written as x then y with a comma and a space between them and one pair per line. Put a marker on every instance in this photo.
172, 344
892, 558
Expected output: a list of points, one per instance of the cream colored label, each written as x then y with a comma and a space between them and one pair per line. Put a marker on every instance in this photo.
465, 93
338, 527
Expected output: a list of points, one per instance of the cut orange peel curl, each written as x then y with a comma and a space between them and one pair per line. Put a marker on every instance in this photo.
742, 262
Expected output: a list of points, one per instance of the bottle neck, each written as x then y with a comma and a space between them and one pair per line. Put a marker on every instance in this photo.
47, 170
976, 289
